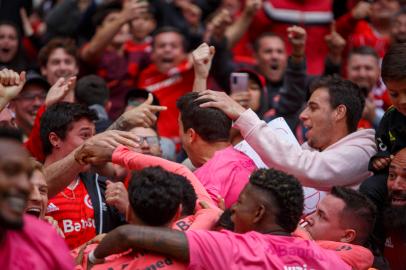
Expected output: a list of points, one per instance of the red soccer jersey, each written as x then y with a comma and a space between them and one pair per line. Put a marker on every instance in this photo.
365, 35
277, 15
120, 71
75, 215
395, 249
168, 88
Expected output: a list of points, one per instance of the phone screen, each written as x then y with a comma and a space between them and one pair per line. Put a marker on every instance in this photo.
238, 82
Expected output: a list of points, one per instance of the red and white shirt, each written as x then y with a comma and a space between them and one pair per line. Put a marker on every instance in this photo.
168, 88
73, 210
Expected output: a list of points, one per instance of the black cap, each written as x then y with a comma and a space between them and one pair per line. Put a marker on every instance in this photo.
139, 93
92, 89
33, 77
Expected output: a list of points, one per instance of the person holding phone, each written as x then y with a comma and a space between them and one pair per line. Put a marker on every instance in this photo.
285, 76
253, 93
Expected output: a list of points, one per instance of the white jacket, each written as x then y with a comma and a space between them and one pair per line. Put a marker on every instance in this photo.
344, 163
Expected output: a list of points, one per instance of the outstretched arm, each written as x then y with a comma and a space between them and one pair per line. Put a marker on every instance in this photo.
93, 153
235, 31
306, 165
141, 116
59, 174
202, 58
106, 33
137, 161
168, 242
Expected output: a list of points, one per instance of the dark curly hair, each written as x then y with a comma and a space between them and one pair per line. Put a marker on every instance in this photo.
286, 194
189, 196
343, 92
211, 124
155, 195
58, 118
225, 221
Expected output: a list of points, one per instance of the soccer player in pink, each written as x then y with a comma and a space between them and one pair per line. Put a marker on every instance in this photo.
155, 198
25, 242
267, 212
204, 133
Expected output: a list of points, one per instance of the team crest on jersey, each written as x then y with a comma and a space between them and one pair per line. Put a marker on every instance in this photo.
88, 201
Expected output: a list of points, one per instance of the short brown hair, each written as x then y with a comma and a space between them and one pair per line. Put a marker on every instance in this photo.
393, 63
343, 92
67, 44
36, 165
265, 35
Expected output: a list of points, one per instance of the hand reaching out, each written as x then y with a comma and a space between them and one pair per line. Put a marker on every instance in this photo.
27, 27
62, 90
141, 116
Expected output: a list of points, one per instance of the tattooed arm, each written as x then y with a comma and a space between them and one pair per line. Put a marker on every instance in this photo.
141, 116
164, 241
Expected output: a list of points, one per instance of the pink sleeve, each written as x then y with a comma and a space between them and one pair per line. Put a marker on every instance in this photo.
209, 250
137, 161
61, 253
205, 219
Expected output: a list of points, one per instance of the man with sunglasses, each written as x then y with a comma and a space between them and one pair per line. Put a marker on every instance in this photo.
149, 141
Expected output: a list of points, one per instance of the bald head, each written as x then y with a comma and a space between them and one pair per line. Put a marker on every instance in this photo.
395, 214
397, 179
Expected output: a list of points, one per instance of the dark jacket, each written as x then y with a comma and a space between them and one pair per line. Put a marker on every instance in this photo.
391, 135
106, 217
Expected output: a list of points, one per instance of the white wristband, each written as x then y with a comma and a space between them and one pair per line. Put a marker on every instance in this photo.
93, 259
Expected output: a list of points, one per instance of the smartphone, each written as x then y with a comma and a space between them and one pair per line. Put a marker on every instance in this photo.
238, 82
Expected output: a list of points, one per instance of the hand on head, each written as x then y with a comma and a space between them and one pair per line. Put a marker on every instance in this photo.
222, 101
